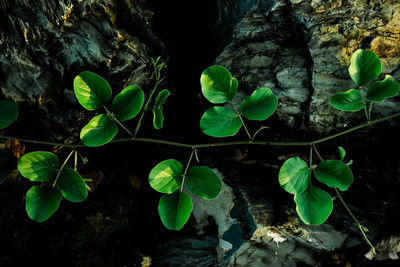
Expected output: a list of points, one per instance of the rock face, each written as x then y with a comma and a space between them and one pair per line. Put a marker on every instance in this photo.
301, 50
43, 46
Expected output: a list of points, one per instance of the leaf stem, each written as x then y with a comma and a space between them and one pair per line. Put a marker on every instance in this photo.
117, 121
361, 227
259, 130
241, 119
62, 167
187, 168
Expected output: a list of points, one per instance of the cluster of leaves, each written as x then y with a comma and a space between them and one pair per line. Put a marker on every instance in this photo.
313, 204
176, 206
365, 67
219, 87
56, 182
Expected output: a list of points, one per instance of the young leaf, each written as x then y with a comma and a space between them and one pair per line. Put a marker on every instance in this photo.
162, 96
260, 105
175, 210
365, 66
38, 166
99, 131
220, 122
334, 173
158, 118
203, 182
383, 89
218, 85
8, 113
91, 90
348, 101
294, 175
42, 202
71, 185
313, 205
127, 104
342, 153
166, 176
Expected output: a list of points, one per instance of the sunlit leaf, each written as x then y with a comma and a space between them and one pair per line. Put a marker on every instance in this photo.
342, 153
294, 175
220, 122
365, 66
175, 210
99, 131
387, 88
162, 96
348, 101
260, 105
71, 185
166, 176
42, 202
8, 113
334, 173
218, 85
128, 103
314, 205
203, 182
38, 166
91, 90
158, 118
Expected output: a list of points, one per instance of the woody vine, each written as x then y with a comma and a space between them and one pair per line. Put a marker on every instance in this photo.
55, 181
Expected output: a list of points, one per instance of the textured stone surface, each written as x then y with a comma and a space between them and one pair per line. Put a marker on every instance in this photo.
43, 46
301, 50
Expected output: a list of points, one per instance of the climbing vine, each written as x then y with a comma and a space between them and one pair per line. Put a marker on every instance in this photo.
224, 119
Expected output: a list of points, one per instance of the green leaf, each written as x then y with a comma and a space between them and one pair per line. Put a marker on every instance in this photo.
38, 166
383, 89
127, 104
314, 205
203, 182
294, 175
162, 96
175, 210
334, 173
8, 113
260, 105
91, 90
220, 122
42, 202
71, 185
158, 118
365, 66
348, 101
218, 85
342, 153
99, 131
166, 176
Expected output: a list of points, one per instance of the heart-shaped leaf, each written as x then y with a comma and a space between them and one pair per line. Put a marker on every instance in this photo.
203, 182
314, 205
365, 66
91, 90
334, 173
158, 118
260, 105
220, 122
175, 210
348, 101
383, 89
8, 113
99, 131
294, 175
127, 104
166, 176
38, 166
71, 185
218, 85
42, 202
162, 96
